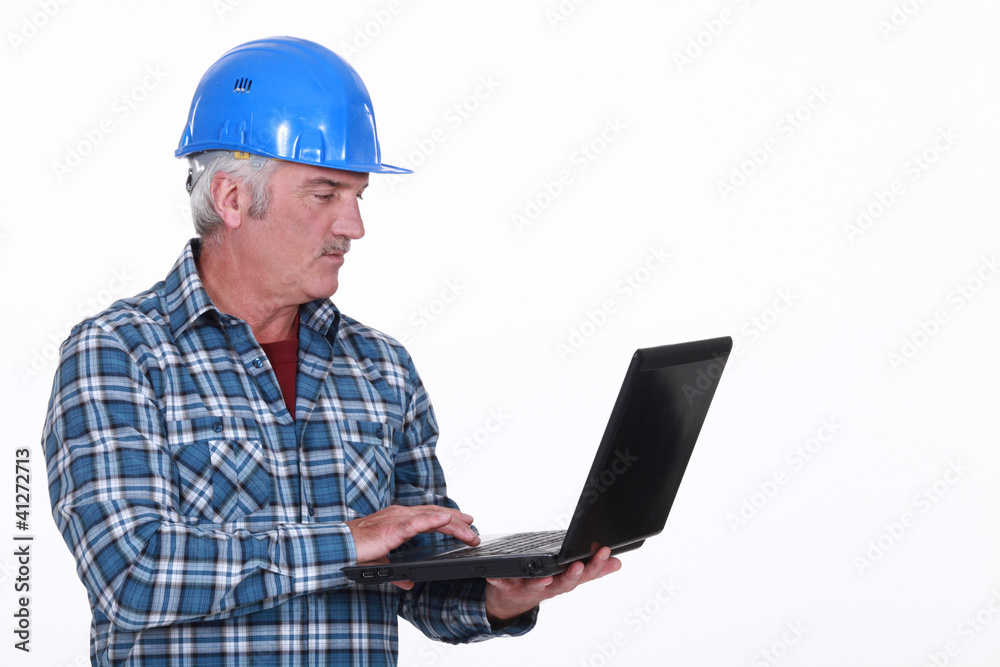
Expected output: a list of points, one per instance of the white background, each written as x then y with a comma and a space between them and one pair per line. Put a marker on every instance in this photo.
862, 327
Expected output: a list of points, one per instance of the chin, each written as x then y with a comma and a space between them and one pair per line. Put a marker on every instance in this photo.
324, 291
321, 285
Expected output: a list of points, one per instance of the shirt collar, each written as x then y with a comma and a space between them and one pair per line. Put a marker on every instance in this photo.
321, 316
184, 294
186, 298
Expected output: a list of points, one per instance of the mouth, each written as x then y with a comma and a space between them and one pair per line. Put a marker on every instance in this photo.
336, 249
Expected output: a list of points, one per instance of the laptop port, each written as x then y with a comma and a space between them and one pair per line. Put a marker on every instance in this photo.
385, 572
367, 574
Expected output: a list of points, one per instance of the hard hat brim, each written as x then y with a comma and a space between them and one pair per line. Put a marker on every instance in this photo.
382, 168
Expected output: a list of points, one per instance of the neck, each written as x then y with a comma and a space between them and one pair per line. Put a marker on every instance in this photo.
235, 291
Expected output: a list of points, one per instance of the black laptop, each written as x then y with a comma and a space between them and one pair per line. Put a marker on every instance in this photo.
628, 494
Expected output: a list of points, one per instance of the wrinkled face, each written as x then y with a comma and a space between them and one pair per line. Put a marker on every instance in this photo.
295, 252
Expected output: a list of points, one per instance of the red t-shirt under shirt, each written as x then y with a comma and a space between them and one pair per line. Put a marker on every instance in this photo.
284, 358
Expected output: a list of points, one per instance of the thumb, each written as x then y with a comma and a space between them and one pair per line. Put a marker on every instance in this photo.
502, 584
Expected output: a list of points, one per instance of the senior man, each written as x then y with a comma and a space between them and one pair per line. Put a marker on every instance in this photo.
220, 446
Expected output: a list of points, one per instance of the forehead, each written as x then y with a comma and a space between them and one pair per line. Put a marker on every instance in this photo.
298, 175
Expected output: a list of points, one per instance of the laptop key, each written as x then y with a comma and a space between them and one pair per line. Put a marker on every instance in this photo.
510, 544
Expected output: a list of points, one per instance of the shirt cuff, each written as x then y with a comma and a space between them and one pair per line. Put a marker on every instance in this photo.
514, 627
314, 555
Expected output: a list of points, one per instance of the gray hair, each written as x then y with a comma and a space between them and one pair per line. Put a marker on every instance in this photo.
256, 178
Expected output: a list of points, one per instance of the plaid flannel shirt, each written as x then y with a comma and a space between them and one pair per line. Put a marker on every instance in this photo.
208, 526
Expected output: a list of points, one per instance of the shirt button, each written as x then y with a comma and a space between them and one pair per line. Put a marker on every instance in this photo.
378, 432
312, 512
217, 427
258, 362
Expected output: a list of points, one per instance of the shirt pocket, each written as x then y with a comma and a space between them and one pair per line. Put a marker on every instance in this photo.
222, 472
369, 457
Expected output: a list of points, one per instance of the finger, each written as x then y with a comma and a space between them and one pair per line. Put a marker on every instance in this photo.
598, 561
447, 524
596, 565
568, 580
429, 520
454, 513
579, 572
398, 513
405, 585
613, 565
536, 586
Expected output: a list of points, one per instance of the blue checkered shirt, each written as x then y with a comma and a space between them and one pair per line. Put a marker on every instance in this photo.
208, 526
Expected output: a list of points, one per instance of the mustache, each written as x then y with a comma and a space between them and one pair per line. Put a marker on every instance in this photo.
341, 244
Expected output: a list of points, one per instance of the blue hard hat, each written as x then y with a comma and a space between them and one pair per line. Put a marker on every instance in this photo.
286, 98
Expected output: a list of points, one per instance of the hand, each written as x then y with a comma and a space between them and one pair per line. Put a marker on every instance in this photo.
509, 598
377, 534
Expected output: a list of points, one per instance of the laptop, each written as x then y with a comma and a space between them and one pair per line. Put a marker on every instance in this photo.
628, 493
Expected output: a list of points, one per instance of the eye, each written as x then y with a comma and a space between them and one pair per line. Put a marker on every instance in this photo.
326, 197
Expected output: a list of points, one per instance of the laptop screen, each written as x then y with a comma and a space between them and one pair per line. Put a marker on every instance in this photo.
646, 447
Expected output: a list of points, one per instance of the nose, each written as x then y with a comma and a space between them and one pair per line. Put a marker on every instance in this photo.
348, 222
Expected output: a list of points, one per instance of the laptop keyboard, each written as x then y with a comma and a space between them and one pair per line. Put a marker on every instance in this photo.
511, 545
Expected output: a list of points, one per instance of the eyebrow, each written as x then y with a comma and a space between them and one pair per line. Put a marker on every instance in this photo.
327, 182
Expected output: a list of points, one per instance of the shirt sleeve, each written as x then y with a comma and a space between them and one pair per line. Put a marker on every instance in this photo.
114, 498
448, 611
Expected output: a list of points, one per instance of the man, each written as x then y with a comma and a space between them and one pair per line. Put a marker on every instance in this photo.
221, 446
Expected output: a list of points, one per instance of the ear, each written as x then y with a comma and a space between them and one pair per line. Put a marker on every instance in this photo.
226, 199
